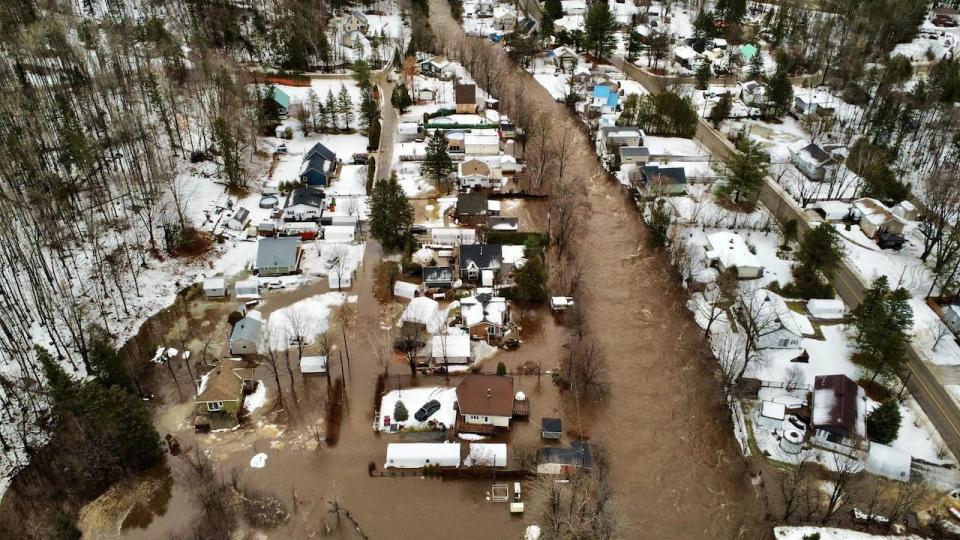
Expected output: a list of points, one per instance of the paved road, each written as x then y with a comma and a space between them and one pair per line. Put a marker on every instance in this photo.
921, 376
388, 124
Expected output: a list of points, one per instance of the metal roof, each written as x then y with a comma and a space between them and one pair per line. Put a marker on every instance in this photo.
277, 252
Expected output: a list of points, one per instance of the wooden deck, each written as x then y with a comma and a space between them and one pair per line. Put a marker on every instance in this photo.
521, 409
480, 429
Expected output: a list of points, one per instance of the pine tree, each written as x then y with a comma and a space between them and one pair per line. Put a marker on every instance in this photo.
659, 222
883, 423
634, 44
332, 109
437, 164
743, 173
107, 365
373, 134
721, 110
531, 279
390, 214
756, 65
400, 413
600, 26
345, 106
501, 369
400, 98
553, 9
882, 320
703, 29
703, 74
368, 108
361, 73
781, 93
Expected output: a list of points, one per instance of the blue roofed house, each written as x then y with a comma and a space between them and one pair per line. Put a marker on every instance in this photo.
606, 97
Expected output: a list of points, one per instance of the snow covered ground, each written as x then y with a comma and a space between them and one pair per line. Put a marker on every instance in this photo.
307, 318
413, 399
829, 533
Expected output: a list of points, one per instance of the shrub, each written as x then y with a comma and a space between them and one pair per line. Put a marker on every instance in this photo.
516, 238
234, 317
501, 369
384, 276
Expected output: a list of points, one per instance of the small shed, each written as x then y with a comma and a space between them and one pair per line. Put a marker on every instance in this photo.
313, 364
561, 303
417, 455
906, 210
826, 308
215, 287
339, 233
248, 288
239, 219
405, 290
551, 428
771, 415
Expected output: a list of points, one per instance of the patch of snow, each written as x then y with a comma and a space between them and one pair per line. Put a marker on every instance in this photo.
258, 461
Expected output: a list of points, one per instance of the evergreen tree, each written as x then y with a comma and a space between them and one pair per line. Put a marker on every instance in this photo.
531, 279
756, 64
361, 73
600, 26
400, 98
64, 528
743, 173
553, 9
332, 109
819, 255
390, 214
437, 164
781, 93
659, 222
397, 58
882, 320
883, 423
703, 29
106, 363
721, 110
373, 134
400, 411
368, 108
501, 369
345, 106
269, 109
634, 44
703, 74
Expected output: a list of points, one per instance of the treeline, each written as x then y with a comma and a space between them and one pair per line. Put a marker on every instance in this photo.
101, 432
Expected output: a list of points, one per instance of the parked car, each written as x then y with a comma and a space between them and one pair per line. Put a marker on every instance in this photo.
282, 148
418, 229
275, 284
890, 240
361, 158
427, 410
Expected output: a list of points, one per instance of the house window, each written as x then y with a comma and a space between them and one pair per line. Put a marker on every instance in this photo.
784, 342
214, 406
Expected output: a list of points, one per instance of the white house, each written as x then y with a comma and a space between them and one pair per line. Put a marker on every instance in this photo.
826, 308
303, 204
876, 217
479, 173
727, 250
313, 364
215, 287
753, 93
245, 336
354, 21
485, 400
239, 219
481, 144
812, 160
504, 18
417, 455
775, 325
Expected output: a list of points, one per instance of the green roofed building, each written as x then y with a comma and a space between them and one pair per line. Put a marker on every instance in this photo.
282, 99
748, 51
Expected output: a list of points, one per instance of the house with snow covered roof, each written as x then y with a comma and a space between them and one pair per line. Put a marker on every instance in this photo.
664, 180
776, 325
564, 57
838, 415
354, 21
475, 260
450, 349
437, 66
876, 217
504, 18
303, 204
753, 93
485, 316
726, 250
610, 138
812, 160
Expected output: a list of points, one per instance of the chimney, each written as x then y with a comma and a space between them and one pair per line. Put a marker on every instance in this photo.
488, 393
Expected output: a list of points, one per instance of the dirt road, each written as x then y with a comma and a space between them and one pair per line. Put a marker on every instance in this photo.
678, 472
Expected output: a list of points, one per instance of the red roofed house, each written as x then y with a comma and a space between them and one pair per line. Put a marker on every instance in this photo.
838, 415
